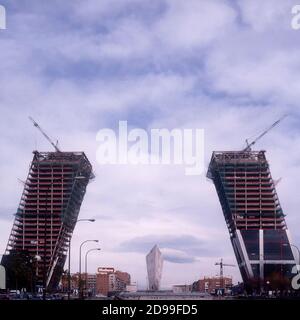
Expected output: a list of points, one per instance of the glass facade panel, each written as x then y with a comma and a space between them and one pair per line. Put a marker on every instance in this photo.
276, 245
251, 240
255, 269
278, 272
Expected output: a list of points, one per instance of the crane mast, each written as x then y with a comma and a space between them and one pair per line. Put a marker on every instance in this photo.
249, 145
222, 265
44, 134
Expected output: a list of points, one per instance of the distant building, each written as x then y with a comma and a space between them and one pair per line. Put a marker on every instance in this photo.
123, 276
74, 282
106, 280
91, 284
109, 280
102, 283
213, 284
182, 288
154, 267
131, 287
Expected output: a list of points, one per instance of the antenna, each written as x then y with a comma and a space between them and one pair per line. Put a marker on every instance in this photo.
249, 145
44, 134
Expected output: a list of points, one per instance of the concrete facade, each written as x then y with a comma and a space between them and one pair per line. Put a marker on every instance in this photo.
2, 278
213, 284
109, 280
154, 261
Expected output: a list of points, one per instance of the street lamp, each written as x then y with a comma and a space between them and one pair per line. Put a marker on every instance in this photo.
86, 263
80, 248
69, 258
268, 287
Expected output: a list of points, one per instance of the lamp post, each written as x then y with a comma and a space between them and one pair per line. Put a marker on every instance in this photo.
268, 288
80, 248
86, 263
69, 258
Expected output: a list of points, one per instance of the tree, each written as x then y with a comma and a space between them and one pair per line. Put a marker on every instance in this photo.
19, 270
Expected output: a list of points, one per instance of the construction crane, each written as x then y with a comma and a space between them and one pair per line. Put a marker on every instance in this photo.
249, 145
44, 134
276, 182
222, 265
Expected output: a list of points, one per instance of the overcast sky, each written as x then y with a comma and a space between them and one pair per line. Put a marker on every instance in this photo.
230, 67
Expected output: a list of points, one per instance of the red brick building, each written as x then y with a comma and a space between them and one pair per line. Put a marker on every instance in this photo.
74, 282
109, 280
211, 285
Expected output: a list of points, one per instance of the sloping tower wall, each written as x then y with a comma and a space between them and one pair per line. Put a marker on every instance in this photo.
48, 211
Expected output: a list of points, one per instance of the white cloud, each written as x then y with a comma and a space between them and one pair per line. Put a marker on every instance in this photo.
191, 64
267, 15
193, 24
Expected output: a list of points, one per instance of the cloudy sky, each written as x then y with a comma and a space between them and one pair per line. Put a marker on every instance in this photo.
230, 67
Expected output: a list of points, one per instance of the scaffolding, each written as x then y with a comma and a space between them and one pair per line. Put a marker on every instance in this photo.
48, 211
247, 191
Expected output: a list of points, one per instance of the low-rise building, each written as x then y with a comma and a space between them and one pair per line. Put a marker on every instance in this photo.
111, 280
182, 288
74, 283
131, 287
88, 283
214, 285
91, 284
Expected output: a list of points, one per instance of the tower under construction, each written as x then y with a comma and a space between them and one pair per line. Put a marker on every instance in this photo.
254, 217
48, 211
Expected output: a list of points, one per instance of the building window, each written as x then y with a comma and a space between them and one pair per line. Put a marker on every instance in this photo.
251, 240
275, 247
